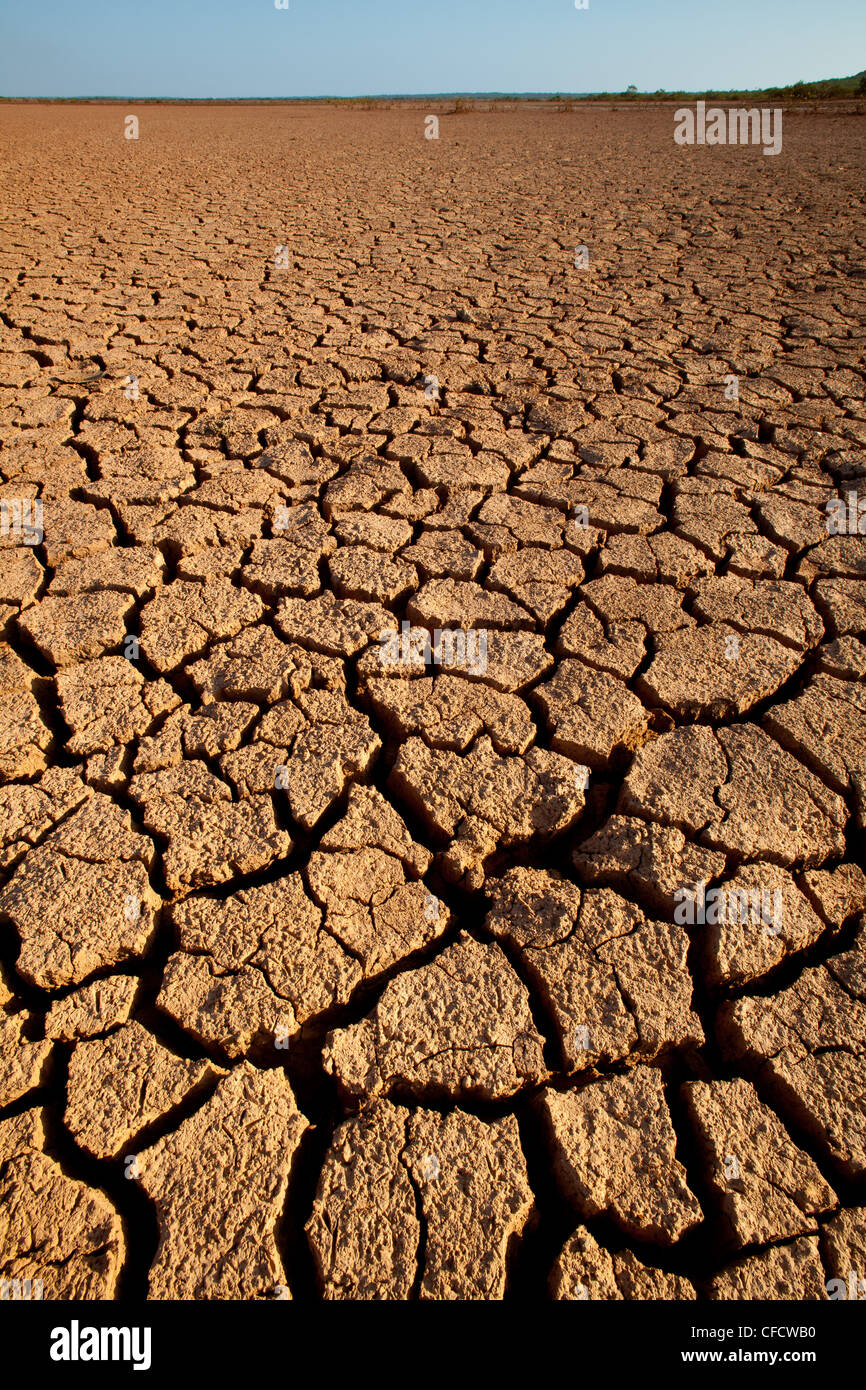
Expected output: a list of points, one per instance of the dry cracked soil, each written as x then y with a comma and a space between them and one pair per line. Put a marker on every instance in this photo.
401, 612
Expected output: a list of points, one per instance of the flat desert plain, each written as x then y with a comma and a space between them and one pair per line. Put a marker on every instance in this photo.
433, 730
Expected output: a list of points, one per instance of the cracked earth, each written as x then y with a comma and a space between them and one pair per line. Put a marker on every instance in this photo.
328, 976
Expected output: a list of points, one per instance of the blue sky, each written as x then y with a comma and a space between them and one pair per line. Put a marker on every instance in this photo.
236, 48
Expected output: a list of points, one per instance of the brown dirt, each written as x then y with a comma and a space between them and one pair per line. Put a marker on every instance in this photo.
328, 970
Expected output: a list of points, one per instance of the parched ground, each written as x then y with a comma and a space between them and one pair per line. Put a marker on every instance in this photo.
331, 974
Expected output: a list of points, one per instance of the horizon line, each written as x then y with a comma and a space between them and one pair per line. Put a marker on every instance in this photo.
443, 95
